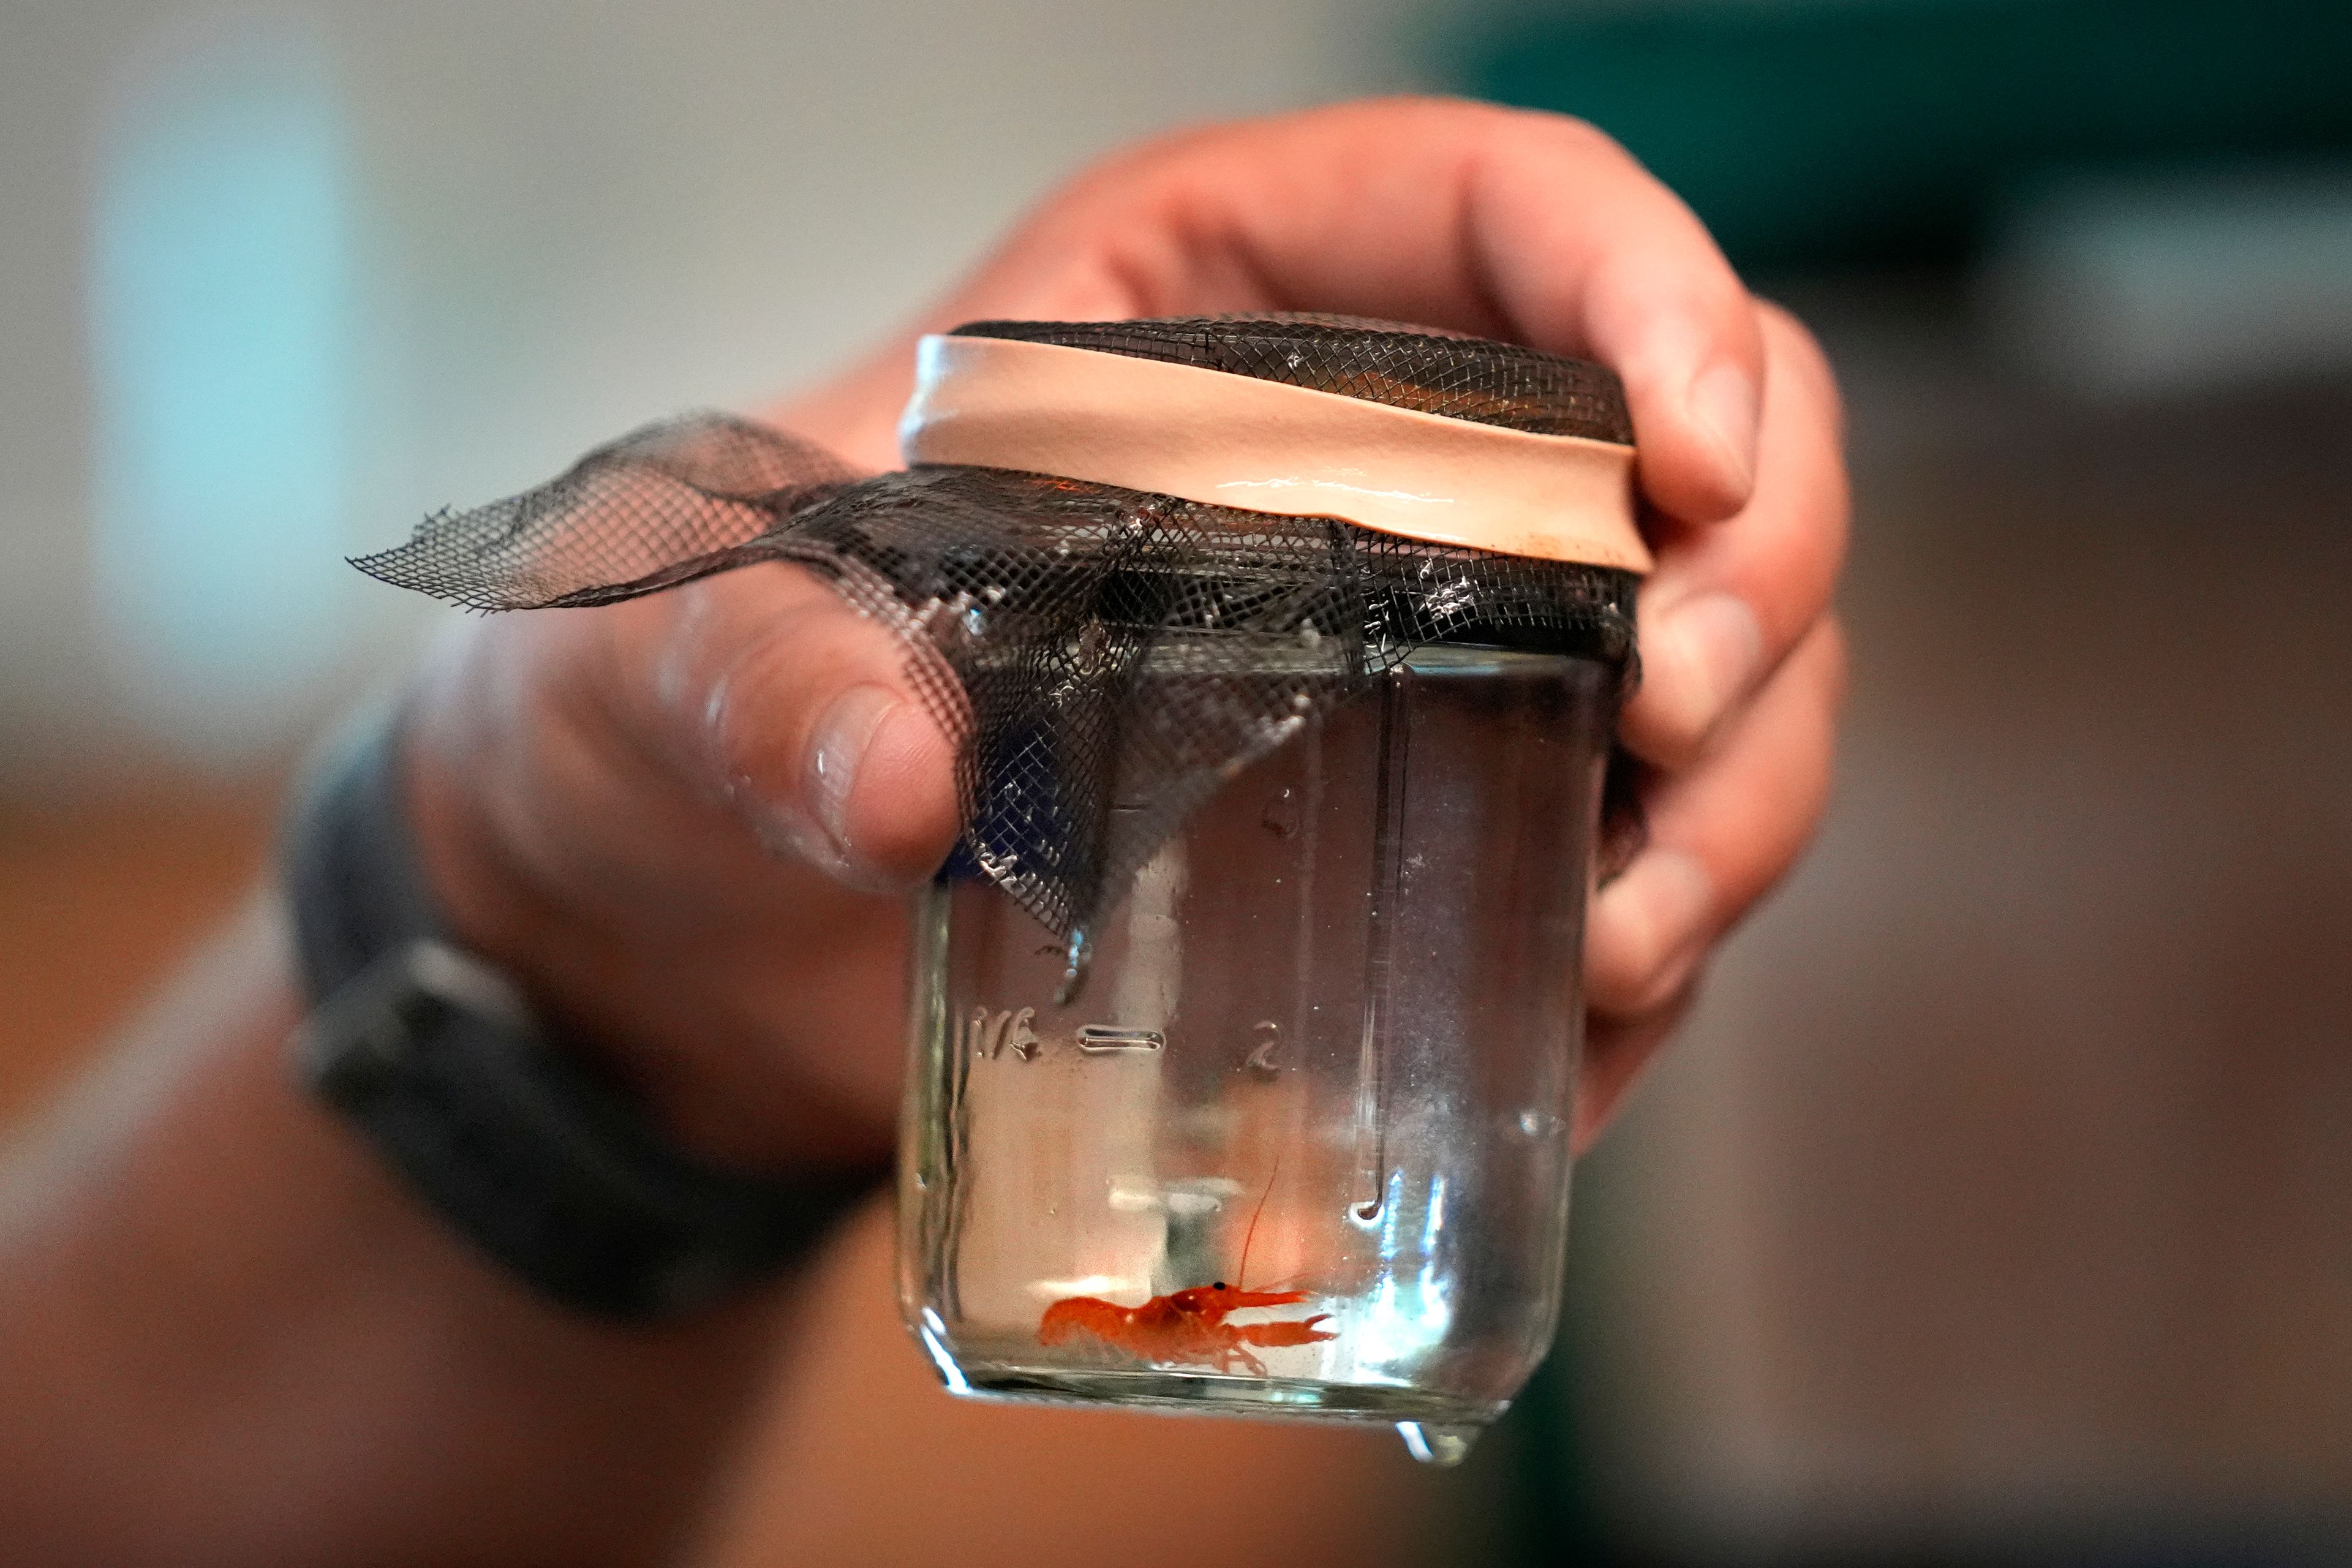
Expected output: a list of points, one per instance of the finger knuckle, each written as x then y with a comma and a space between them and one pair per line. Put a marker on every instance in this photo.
1795, 351
1579, 135
1833, 655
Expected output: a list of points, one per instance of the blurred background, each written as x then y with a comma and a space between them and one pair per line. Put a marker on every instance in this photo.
1997, 1208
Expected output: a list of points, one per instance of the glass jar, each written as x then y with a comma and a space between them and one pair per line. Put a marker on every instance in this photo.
1299, 1143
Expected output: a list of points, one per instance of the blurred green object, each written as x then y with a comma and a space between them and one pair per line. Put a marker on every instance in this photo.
1814, 133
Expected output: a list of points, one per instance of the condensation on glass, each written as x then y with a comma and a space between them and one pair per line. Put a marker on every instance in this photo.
1296, 1141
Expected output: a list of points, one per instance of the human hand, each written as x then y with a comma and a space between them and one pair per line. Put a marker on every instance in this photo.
683, 820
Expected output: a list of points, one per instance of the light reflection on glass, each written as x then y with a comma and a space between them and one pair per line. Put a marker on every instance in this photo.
1400, 1322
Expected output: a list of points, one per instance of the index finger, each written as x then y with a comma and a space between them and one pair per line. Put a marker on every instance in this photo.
1496, 222
1533, 224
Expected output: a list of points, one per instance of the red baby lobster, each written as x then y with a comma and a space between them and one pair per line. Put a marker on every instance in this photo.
1189, 1325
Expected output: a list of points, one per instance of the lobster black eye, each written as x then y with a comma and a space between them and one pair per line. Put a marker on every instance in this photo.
1218, 1286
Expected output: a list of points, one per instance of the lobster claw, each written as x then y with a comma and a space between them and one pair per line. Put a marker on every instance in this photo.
1274, 1335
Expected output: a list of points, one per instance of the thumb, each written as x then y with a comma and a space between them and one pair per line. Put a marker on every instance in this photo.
771, 693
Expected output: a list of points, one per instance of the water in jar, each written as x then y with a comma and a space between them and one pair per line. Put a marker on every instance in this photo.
1298, 1143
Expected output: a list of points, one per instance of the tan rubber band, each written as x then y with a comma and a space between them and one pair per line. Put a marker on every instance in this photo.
1231, 440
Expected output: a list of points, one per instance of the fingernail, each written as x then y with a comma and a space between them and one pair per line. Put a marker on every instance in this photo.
1724, 402
1701, 657
835, 750
1661, 906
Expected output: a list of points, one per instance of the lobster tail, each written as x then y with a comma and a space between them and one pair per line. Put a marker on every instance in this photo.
1082, 1314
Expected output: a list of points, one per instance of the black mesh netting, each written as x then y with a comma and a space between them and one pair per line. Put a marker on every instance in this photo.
1405, 367
1030, 604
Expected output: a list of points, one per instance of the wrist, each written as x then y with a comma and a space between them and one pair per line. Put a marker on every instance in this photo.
635, 978
477, 1101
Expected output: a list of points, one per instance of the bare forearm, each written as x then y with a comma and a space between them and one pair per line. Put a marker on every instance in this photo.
226, 1336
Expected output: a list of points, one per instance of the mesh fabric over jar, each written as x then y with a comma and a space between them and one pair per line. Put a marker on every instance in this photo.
1029, 604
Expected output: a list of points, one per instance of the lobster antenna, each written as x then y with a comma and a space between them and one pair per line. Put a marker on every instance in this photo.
1241, 1279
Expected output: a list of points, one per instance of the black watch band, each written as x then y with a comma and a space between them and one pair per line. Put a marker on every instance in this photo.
436, 1058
